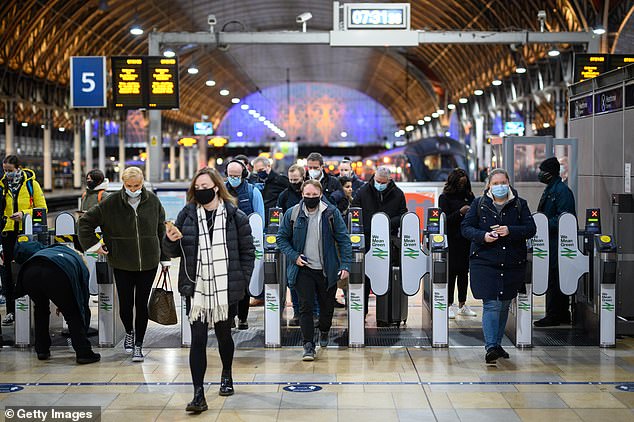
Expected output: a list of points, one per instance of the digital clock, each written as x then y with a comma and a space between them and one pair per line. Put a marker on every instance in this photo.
377, 16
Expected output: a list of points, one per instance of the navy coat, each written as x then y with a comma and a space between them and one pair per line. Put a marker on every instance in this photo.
556, 200
498, 269
240, 250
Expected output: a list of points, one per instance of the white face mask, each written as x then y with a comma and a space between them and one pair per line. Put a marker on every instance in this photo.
314, 174
134, 194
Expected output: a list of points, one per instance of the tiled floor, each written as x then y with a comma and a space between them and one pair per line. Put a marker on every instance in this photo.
383, 384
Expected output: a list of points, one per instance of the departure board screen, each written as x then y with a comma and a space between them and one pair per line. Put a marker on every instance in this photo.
127, 82
163, 83
149, 82
588, 66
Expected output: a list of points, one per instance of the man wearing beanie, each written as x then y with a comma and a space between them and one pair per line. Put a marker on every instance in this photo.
556, 199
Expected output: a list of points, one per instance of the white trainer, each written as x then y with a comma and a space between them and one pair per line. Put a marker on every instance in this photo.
138, 354
467, 311
452, 311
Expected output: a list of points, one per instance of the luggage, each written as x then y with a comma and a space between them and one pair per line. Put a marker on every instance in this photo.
391, 308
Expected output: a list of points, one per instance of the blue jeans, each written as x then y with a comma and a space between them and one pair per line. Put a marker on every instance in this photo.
495, 313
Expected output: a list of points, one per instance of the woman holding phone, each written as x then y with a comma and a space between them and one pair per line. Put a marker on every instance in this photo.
498, 225
213, 239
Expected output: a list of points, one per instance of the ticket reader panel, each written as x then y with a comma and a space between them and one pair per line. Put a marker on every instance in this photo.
273, 293
356, 284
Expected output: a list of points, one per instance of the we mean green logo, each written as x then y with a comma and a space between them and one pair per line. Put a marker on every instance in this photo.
540, 253
411, 253
105, 306
21, 306
607, 306
568, 253
259, 254
440, 306
272, 306
524, 306
356, 307
379, 253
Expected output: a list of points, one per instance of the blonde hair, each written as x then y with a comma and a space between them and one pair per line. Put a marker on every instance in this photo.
315, 183
132, 173
300, 169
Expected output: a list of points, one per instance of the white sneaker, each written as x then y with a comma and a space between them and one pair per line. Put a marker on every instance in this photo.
8, 320
128, 342
467, 311
452, 311
138, 354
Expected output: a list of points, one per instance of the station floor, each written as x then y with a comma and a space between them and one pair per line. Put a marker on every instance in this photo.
370, 384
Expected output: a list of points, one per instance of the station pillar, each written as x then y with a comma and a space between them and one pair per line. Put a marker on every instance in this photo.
181, 162
122, 132
88, 144
102, 144
172, 160
560, 113
46, 151
8, 128
529, 113
77, 127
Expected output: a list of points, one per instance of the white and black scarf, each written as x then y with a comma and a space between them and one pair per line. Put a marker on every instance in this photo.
211, 299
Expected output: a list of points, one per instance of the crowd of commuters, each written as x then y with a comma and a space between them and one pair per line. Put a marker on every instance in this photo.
487, 237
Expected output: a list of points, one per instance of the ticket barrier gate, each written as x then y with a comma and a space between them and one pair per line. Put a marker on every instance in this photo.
596, 266
111, 329
519, 326
356, 281
274, 281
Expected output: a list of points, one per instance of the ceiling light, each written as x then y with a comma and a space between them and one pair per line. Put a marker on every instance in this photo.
553, 52
598, 30
261, 118
463, 100
434, 115
136, 29
239, 134
252, 112
397, 134
546, 125
440, 112
169, 53
478, 92
42, 126
451, 106
224, 92
24, 124
1, 120
256, 114
61, 129
344, 134
244, 106
496, 82
210, 82
421, 122
192, 69
267, 122
427, 119
409, 128
235, 100
520, 69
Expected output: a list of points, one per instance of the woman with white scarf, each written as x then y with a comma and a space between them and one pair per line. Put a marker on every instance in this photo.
213, 239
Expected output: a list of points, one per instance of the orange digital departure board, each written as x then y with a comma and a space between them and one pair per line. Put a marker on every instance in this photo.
588, 66
149, 82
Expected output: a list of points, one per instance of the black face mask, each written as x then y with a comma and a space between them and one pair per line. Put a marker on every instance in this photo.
91, 185
311, 203
204, 196
544, 177
297, 186
262, 174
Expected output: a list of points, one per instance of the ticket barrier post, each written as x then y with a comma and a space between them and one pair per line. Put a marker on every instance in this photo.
356, 281
595, 298
110, 329
23, 309
436, 279
274, 288
519, 326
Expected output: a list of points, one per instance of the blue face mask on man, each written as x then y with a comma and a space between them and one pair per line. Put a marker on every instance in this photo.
234, 181
500, 191
380, 186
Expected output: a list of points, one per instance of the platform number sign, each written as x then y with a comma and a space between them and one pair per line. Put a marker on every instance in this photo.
88, 82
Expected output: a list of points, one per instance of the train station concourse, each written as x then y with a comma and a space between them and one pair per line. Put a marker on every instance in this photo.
316, 210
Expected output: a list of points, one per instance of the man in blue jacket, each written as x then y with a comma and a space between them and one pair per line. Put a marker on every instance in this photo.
315, 240
556, 199
56, 273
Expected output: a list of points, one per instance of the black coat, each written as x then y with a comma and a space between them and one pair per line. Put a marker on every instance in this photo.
391, 201
240, 250
450, 204
288, 198
273, 186
498, 269
331, 188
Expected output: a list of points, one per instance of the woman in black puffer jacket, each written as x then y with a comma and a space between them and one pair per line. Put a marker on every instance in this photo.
213, 238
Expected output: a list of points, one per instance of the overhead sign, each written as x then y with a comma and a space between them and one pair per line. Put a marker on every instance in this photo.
88, 82
218, 141
588, 66
149, 82
187, 141
581, 107
514, 128
377, 16
203, 128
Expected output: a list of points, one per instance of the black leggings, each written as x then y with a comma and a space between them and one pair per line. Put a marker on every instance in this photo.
8, 246
198, 350
131, 300
463, 281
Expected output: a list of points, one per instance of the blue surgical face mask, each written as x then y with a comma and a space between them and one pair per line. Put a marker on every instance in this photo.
500, 191
234, 181
380, 186
134, 194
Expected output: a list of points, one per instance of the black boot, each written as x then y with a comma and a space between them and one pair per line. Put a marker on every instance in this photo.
226, 386
198, 404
